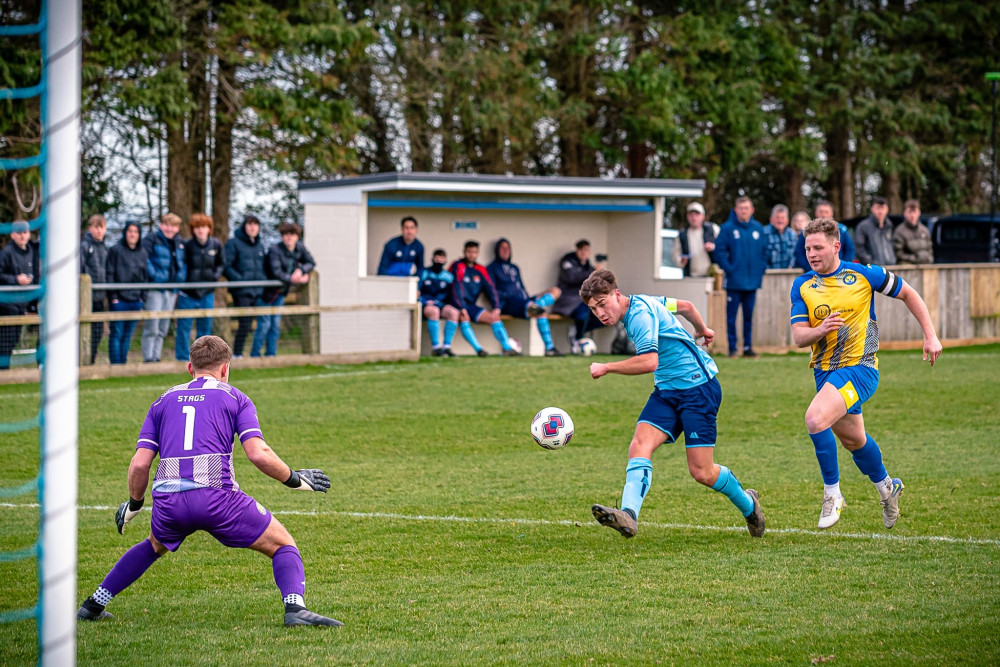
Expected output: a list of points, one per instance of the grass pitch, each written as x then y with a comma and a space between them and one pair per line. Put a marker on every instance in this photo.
449, 537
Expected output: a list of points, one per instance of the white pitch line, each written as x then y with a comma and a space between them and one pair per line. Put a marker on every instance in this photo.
589, 524
238, 384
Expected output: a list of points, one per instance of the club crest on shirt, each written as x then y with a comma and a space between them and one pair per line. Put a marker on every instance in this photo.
756, 235
850, 279
821, 312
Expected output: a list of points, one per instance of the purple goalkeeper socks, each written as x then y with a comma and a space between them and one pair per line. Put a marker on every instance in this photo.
129, 568
289, 573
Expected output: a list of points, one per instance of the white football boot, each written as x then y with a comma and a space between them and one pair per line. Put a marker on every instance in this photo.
830, 514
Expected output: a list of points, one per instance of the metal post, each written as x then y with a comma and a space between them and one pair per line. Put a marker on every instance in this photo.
60, 332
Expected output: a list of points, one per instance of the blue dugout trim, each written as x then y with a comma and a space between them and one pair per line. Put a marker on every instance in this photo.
506, 206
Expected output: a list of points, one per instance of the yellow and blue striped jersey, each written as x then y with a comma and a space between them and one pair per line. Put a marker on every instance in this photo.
850, 291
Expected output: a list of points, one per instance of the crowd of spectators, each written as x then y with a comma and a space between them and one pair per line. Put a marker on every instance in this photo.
135, 266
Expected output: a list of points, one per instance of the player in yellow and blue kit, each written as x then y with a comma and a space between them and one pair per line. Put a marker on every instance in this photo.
833, 311
686, 397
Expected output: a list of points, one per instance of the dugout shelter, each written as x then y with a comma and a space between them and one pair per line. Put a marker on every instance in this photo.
348, 220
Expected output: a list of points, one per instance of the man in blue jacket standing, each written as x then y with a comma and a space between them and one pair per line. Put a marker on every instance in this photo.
403, 255
741, 251
165, 264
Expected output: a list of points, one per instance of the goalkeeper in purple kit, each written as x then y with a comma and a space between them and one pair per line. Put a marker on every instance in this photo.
191, 426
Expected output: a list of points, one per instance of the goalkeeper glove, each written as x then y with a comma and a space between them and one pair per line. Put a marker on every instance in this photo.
126, 512
310, 479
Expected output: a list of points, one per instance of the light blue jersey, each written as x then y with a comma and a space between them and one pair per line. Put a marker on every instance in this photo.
652, 327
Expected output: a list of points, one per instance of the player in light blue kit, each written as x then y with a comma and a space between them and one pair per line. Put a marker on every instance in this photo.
686, 397
192, 426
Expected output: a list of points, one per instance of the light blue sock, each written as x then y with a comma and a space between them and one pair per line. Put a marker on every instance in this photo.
545, 300
730, 487
638, 477
469, 335
869, 461
826, 454
500, 333
450, 327
434, 330
545, 331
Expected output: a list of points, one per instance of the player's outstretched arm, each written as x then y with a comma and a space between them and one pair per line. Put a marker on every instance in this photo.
637, 365
916, 305
687, 310
269, 463
138, 480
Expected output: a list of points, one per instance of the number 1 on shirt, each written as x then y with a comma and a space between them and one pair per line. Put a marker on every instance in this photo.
188, 411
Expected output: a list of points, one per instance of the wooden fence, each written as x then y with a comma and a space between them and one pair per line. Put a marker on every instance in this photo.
963, 300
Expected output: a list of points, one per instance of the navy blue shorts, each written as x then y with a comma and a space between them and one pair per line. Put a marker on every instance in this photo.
474, 312
856, 384
693, 411
516, 307
427, 301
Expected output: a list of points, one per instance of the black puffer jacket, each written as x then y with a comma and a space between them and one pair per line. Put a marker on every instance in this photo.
281, 264
127, 265
13, 262
245, 261
93, 262
205, 264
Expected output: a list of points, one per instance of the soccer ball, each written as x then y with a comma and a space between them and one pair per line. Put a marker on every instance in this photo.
552, 428
514, 345
587, 346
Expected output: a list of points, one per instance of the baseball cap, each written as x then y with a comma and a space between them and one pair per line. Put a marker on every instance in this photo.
21, 226
695, 206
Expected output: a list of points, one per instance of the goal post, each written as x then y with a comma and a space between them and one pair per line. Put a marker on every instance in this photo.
60, 332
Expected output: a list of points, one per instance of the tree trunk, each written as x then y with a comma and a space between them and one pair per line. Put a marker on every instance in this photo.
222, 157
891, 191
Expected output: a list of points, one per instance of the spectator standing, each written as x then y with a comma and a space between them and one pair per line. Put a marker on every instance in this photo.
245, 261
205, 262
515, 300
741, 253
19, 265
404, 254
874, 236
799, 222
435, 286
291, 263
824, 209
164, 264
780, 240
694, 250
574, 268
471, 280
126, 264
93, 262
912, 240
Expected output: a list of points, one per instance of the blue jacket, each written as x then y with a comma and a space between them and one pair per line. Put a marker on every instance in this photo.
435, 286
165, 261
741, 251
507, 278
846, 248
245, 261
399, 259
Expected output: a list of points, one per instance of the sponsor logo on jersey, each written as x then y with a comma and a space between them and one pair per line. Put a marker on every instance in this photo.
821, 312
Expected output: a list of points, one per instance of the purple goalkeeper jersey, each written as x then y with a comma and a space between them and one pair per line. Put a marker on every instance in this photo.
191, 426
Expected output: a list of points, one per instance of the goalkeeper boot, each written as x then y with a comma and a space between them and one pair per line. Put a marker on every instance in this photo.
306, 617
890, 505
755, 520
615, 518
91, 611
830, 514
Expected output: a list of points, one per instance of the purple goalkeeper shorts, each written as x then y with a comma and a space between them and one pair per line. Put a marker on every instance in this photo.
232, 517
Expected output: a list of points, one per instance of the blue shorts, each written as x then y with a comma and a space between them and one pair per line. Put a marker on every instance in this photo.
474, 312
856, 384
515, 307
427, 301
693, 411
232, 517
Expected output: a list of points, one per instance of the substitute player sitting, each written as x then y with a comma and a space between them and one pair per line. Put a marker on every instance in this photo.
833, 311
191, 426
686, 397
435, 287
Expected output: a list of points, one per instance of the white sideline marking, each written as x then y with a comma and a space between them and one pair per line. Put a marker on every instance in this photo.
591, 524
238, 384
